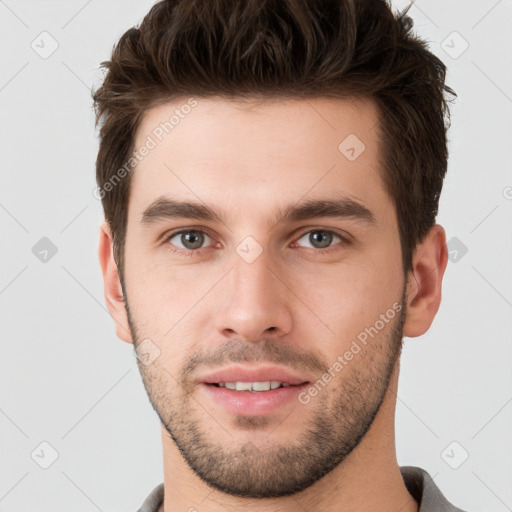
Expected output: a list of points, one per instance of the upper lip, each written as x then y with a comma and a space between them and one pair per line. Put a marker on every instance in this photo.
252, 374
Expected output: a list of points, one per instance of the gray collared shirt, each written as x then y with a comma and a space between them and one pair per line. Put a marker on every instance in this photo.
418, 482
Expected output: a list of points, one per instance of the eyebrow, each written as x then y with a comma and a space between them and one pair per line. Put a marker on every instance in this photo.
343, 207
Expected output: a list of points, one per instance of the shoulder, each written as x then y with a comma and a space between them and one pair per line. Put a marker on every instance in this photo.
154, 500
424, 490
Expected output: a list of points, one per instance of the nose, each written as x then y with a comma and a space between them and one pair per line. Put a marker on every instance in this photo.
256, 301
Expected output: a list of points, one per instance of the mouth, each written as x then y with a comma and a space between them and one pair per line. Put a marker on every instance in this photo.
253, 391
256, 378
253, 387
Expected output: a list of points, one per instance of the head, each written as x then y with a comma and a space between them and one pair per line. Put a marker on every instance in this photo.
270, 174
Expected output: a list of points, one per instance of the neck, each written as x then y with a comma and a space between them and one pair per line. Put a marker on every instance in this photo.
369, 478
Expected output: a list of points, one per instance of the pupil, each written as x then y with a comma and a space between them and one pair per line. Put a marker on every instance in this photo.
188, 239
327, 238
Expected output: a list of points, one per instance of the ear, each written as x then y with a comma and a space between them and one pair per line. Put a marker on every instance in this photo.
112, 284
424, 282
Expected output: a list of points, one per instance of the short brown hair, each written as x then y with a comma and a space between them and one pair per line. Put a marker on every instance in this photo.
289, 49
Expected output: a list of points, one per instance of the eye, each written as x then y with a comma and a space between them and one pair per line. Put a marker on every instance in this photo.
190, 239
321, 238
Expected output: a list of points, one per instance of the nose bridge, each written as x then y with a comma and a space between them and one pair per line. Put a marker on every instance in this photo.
256, 300
252, 269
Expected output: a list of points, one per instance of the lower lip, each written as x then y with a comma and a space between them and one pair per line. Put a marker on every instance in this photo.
253, 403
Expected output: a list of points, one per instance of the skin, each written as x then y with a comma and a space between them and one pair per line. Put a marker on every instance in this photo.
246, 160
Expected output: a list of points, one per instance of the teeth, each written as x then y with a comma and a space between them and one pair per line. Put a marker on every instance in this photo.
253, 386
243, 386
261, 386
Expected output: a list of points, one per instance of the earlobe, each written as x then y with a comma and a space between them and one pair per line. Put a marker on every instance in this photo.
112, 285
424, 283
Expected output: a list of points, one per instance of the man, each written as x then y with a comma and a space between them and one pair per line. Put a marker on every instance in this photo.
270, 173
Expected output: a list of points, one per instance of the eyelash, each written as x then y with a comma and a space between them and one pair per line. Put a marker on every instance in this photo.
191, 252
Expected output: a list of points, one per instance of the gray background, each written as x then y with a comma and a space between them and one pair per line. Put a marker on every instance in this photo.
68, 381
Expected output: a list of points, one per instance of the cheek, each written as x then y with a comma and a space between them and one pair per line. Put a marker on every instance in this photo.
163, 297
347, 297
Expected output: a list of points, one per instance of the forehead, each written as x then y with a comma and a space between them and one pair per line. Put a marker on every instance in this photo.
259, 154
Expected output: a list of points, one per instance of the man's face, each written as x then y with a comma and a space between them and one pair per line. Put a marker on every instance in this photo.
282, 296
